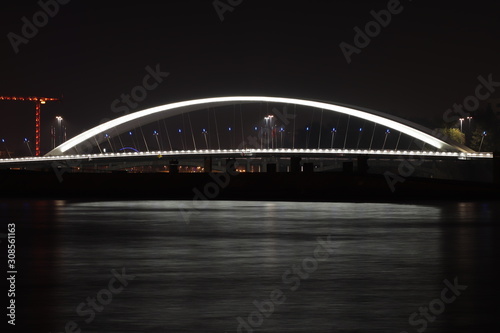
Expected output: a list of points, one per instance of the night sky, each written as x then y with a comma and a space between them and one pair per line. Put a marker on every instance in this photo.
427, 58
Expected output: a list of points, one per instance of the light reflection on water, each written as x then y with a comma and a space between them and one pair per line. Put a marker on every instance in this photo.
388, 260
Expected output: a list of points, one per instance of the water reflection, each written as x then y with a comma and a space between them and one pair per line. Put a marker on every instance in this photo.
388, 260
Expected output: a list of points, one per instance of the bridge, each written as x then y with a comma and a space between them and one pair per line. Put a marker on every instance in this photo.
256, 130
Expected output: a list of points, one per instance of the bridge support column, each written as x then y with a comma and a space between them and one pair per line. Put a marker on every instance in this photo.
363, 164
295, 164
173, 166
271, 167
207, 164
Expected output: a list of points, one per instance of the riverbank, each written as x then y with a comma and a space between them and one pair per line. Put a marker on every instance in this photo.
327, 186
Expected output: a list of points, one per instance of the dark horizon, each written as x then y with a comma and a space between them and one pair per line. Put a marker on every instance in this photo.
421, 63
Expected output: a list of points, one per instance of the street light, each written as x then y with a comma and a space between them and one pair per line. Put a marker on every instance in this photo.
307, 136
282, 130
359, 136
59, 130
461, 121
387, 132
28, 144
155, 134
133, 141
204, 132
109, 142
6, 149
334, 130
229, 130
180, 135
268, 120
482, 138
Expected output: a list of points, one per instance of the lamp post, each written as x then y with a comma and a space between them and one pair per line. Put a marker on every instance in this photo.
268, 120
155, 134
109, 141
28, 145
359, 136
482, 138
133, 141
308, 129
59, 130
204, 132
334, 130
6, 149
461, 121
387, 132
182, 141
282, 130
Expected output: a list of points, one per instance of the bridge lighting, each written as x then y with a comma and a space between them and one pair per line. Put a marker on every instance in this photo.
128, 121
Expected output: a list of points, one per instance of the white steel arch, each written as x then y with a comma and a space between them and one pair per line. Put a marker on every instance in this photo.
146, 116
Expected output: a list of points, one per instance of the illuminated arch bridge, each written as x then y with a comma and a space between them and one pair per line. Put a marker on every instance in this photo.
257, 124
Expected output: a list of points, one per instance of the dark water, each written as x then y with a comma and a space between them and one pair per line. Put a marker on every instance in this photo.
379, 263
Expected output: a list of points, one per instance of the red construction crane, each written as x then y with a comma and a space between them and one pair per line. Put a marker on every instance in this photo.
38, 102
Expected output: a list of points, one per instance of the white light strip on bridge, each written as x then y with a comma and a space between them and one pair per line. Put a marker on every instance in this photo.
250, 152
417, 134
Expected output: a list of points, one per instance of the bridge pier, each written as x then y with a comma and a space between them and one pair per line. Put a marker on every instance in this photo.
295, 164
173, 166
271, 167
207, 164
363, 164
